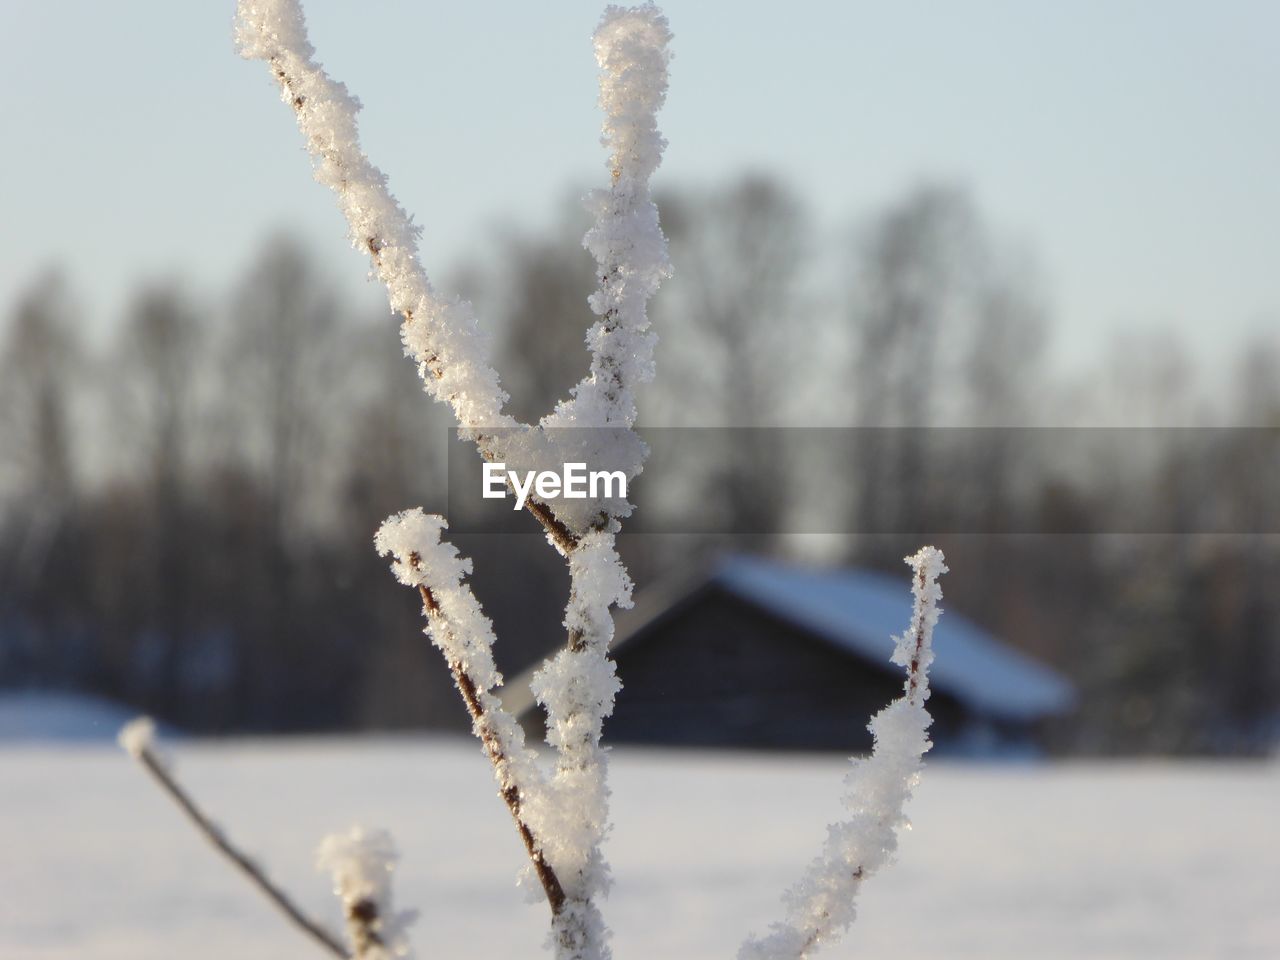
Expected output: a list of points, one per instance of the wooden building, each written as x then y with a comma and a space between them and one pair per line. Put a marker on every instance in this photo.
766, 654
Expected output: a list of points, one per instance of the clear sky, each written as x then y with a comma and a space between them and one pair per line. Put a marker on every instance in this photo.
1136, 145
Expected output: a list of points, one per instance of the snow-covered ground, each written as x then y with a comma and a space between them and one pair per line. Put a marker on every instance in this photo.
1100, 861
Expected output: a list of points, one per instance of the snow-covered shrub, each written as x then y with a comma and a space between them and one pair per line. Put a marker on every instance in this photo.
560, 813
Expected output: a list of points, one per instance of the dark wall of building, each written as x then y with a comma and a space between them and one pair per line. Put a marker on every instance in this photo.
717, 671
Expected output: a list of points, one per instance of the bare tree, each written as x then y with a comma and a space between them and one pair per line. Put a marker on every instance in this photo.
738, 346
949, 326
913, 276
160, 352
284, 367
39, 493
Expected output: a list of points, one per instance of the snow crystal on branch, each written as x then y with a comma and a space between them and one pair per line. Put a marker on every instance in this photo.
440, 334
822, 904
459, 628
361, 864
577, 687
422, 559
138, 736
455, 619
419, 555
626, 241
631, 49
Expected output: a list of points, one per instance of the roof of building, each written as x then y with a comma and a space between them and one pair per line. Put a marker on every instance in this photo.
860, 611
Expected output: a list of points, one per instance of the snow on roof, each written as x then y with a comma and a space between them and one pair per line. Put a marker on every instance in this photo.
860, 611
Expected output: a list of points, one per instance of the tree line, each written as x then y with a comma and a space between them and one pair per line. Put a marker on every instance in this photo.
186, 510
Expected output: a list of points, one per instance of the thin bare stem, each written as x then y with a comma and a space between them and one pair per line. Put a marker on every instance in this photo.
251, 871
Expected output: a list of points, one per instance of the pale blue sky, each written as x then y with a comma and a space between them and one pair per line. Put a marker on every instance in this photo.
1135, 144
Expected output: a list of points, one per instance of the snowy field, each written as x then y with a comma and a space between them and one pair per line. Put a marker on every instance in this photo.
1125, 861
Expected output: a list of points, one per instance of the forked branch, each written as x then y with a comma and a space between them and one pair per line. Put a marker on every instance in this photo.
563, 820
442, 336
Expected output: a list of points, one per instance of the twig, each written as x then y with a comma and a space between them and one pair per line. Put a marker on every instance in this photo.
136, 738
381, 228
457, 626
470, 691
822, 904
578, 686
361, 863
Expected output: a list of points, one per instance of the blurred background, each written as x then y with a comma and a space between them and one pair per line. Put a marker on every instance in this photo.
1006, 215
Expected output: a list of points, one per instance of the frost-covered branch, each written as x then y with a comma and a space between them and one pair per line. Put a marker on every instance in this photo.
138, 740
631, 45
439, 333
361, 864
577, 687
459, 628
821, 905
564, 821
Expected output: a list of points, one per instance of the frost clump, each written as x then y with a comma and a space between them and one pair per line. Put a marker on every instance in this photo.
361, 864
138, 736
422, 559
577, 687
